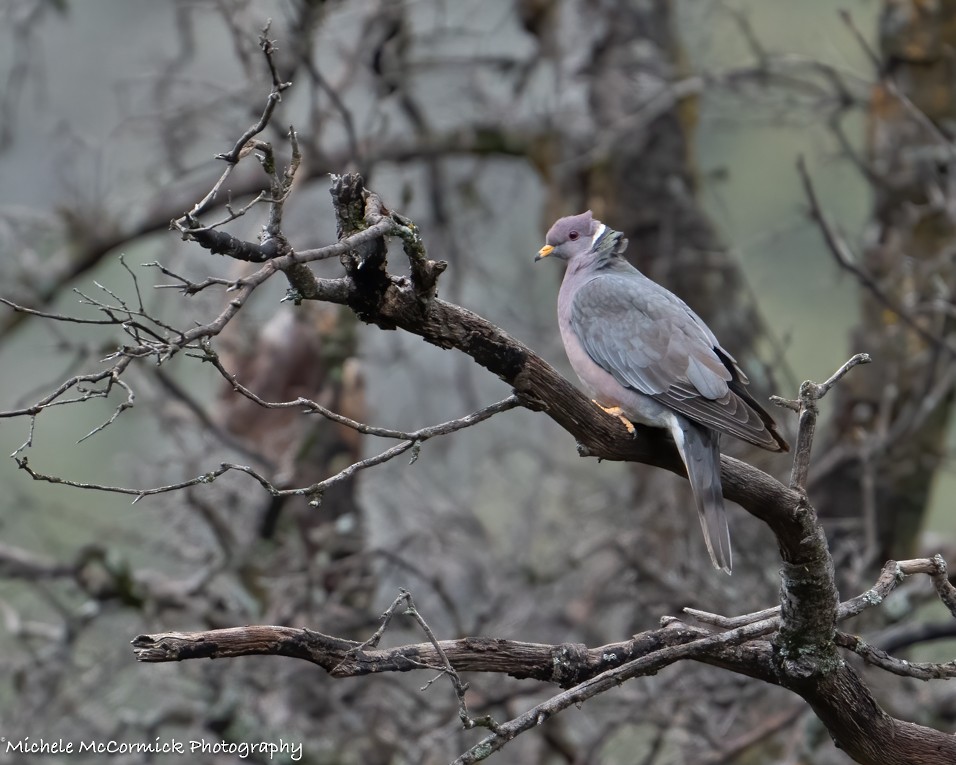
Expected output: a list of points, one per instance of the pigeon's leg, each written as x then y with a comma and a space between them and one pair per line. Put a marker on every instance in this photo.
616, 411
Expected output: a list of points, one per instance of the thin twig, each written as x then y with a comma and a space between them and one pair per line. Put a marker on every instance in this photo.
313, 492
54, 316
313, 407
921, 670
845, 258
806, 405
645, 665
447, 669
240, 148
891, 576
862, 41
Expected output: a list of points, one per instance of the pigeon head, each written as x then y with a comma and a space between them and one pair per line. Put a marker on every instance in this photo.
570, 237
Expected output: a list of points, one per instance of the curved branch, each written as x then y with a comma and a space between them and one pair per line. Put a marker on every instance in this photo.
805, 656
566, 665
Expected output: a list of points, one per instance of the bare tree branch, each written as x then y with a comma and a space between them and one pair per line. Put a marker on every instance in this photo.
589, 671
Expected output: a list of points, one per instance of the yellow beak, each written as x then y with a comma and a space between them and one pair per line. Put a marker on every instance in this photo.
544, 252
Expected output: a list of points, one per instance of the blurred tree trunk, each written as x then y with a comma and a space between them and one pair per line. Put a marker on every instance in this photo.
308, 351
637, 170
890, 426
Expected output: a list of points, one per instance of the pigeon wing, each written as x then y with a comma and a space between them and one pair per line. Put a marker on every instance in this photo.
650, 341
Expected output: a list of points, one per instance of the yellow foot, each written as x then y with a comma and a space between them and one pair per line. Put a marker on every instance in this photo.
616, 411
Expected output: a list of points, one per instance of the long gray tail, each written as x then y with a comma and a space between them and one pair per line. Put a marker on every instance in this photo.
700, 449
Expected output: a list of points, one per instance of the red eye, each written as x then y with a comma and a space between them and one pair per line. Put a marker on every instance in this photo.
573, 235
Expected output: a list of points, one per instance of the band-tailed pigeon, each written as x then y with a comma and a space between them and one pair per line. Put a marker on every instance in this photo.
644, 355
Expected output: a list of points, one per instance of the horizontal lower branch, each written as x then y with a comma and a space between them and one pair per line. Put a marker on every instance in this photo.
565, 664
